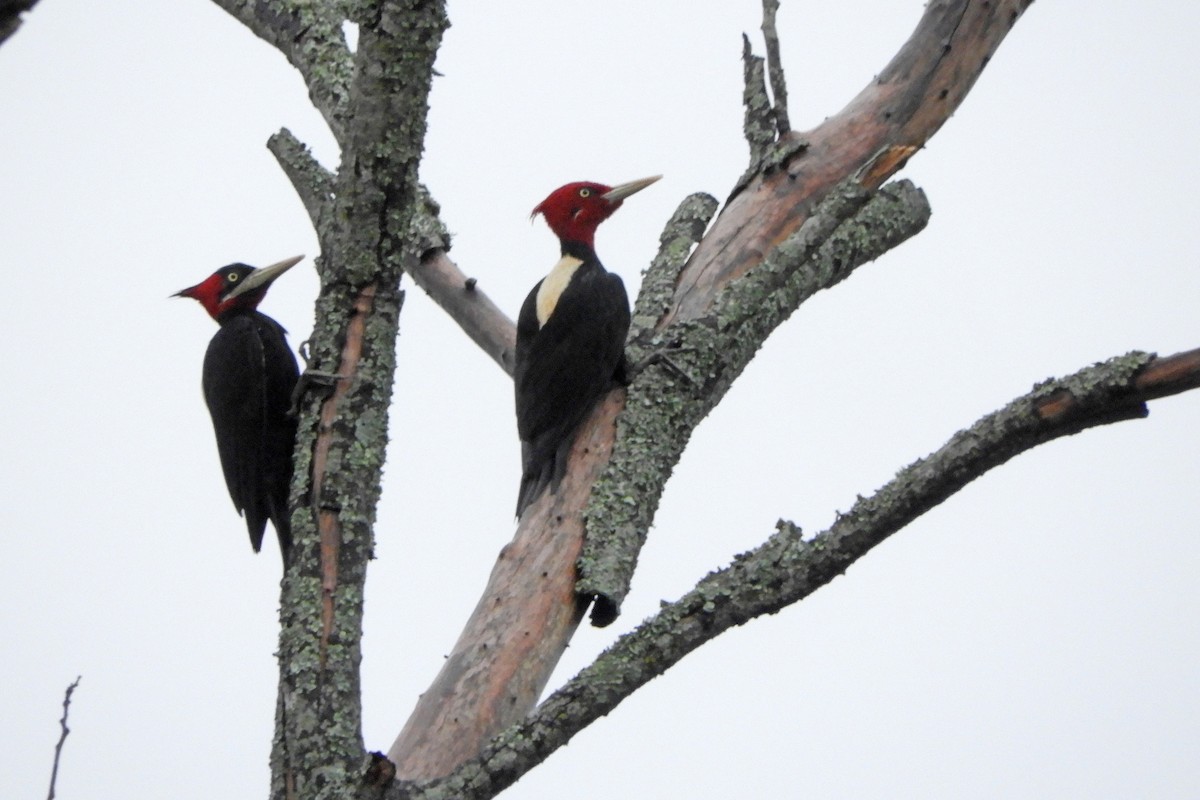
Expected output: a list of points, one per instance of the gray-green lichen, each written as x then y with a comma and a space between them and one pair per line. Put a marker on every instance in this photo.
378, 100
699, 359
309, 34
783, 570
313, 183
681, 233
759, 123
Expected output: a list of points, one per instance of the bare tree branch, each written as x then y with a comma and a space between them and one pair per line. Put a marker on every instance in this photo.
849, 228
758, 125
460, 296
312, 182
863, 144
466, 303
775, 68
869, 140
309, 34
63, 737
787, 568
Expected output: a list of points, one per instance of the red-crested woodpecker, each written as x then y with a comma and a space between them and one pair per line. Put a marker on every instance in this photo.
248, 378
570, 334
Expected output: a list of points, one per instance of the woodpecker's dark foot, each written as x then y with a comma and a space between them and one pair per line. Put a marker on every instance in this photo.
662, 356
310, 379
304, 352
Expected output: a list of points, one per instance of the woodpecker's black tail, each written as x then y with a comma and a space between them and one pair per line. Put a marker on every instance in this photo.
536, 476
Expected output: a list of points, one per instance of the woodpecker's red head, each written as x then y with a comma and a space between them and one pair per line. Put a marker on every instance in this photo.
236, 287
574, 211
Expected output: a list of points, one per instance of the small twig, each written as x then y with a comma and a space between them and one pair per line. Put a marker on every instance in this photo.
63, 738
775, 67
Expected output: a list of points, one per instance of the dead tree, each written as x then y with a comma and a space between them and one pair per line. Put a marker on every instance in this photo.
810, 209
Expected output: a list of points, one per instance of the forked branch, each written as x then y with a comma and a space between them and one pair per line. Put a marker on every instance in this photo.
838, 166
309, 34
786, 568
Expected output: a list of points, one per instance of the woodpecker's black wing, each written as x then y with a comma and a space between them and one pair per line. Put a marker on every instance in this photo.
249, 375
563, 367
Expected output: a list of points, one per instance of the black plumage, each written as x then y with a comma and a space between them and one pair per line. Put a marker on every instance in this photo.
248, 378
570, 335
249, 375
564, 366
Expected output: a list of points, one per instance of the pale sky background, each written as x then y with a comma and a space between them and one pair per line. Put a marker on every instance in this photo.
1035, 636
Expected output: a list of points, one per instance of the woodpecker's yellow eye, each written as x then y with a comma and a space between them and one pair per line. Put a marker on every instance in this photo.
585, 192
232, 277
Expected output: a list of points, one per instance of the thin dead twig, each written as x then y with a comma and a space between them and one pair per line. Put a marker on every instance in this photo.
63, 737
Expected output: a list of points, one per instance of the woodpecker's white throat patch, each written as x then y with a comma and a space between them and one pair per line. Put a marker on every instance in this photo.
553, 285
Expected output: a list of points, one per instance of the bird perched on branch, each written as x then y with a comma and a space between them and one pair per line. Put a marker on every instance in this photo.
570, 334
249, 374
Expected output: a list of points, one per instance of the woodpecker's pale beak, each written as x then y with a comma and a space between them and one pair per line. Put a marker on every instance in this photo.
262, 277
618, 193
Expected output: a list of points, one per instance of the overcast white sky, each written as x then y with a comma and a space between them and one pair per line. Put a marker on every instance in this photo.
1033, 637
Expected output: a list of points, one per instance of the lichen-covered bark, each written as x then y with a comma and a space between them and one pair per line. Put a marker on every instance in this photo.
808, 211
702, 357
366, 218
733, 289
703, 310
788, 567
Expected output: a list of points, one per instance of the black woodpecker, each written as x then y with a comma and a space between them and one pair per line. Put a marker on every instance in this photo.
570, 334
249, 374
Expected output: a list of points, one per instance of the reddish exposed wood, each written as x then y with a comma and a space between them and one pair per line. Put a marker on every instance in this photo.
529, 611
871, 138
1056, 406
1170, 374
520, 627
1161, 377
328, 525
